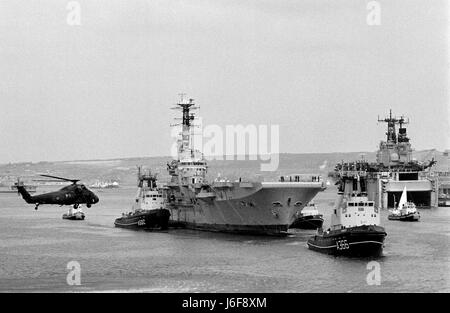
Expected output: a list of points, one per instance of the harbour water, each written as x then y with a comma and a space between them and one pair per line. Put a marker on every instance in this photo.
36, 246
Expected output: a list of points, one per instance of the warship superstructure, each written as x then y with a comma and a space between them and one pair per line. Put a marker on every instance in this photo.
396, 169
241, 206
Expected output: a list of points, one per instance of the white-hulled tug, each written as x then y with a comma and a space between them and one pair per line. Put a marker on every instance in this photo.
308, 218
355, 223
149, 210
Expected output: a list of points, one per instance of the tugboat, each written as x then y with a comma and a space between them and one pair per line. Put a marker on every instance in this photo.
355, 229
149, 208
308, 218
75, 214
406, 210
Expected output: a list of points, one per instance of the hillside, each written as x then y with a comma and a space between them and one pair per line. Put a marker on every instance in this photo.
124, 170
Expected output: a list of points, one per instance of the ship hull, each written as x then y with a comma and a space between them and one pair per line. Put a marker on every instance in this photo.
308, 222
361, 241
263, 230
152, 219
256, 210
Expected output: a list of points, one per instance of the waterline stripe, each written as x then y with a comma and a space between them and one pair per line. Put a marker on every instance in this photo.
351, 243
310, 244
368, 241
125, 224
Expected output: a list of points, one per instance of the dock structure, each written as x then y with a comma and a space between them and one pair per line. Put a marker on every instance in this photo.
444, 188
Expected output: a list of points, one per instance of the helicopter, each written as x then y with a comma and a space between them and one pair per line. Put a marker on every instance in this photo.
74, 194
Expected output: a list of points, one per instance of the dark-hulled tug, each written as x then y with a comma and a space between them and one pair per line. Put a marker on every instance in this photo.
149, 212
355, 223
308, 218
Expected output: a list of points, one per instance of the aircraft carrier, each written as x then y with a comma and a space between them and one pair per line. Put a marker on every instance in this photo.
395, 169
248, 207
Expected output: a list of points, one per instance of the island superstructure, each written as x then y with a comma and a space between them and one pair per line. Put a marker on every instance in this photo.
248, 207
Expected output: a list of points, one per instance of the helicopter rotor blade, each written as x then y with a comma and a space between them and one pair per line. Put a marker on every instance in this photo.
74, 181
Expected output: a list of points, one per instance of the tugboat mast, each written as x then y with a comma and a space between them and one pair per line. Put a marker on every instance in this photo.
146, 177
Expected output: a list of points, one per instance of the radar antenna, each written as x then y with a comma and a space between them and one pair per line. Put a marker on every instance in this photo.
391, 133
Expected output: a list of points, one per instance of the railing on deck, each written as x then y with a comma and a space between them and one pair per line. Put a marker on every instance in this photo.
301, 178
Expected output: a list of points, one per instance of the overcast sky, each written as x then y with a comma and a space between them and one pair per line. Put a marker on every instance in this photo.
103, 89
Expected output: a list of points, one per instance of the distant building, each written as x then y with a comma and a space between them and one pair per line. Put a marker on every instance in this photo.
444, 188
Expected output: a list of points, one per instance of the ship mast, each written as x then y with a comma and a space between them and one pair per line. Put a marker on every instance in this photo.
191, 167
146, 177
391, 132
186, 106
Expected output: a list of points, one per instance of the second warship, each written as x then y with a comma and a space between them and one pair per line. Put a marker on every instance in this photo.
247, 207
395, 168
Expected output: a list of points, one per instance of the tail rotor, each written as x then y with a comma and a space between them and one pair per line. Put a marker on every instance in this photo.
18, 184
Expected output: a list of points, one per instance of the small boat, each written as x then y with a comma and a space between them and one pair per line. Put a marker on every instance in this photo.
355, 229
149, 210
74, 214
406, 210
104, 185
308, 218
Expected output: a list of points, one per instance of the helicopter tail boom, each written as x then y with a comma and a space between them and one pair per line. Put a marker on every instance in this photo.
25, 194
